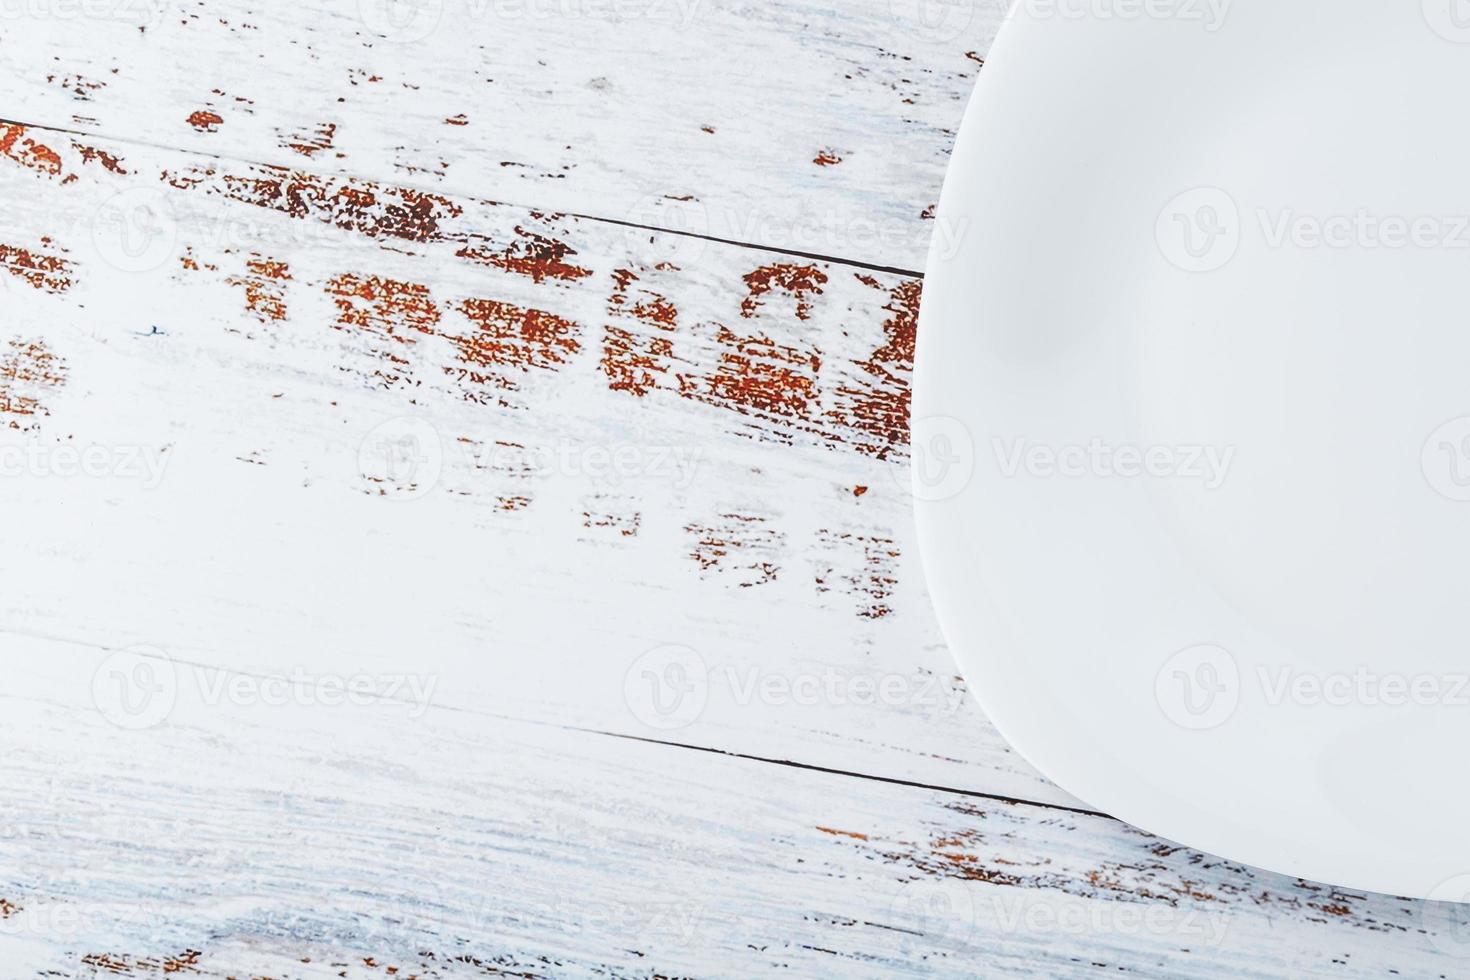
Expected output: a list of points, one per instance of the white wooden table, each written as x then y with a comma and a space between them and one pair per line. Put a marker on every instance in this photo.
454, 458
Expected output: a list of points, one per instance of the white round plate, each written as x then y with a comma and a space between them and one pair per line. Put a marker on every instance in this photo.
1192, 423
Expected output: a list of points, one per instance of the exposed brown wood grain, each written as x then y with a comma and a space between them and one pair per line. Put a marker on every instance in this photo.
45, 268
263, 283
312, 309
372, 209
19, 146
724, 105
439, 303
29, 370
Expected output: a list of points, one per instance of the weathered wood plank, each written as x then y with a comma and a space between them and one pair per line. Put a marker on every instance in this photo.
817, 128
578, 472
256, 832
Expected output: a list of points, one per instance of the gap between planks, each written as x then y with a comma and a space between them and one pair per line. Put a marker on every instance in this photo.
648, 740
426, 189
770, 748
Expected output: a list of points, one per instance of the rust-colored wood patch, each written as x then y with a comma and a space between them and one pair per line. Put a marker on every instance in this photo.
143, 966
531, 254
264, 285
876, 400
109, 161
309, 142
511, 336
864, 566
206, 121
637, 356
740, 547
758, 374
29, 152
45, 269
392, 314
613, 516
29, 370
368, 208
801, 282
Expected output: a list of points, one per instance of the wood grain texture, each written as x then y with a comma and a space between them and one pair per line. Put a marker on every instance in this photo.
288, 838
484, 505
622, 444
811, 127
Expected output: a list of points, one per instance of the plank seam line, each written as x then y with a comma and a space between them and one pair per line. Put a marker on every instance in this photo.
584, 730
890, 780
772, 249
